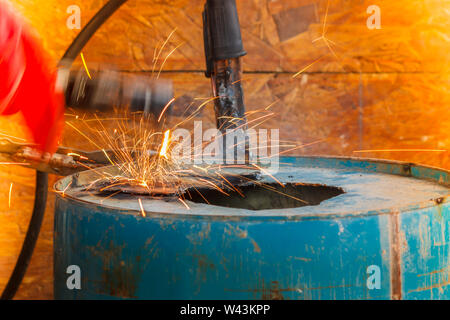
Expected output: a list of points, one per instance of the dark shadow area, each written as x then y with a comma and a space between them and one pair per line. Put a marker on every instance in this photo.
267, 196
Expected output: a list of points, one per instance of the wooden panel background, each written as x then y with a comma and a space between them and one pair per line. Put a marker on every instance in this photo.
376, 89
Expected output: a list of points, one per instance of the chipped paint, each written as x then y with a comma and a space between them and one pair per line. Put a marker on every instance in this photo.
256, 248
302, 259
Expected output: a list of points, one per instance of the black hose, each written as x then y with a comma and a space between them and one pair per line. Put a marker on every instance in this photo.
40, 194
40, 200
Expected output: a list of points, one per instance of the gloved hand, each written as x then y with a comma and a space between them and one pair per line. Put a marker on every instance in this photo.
27, 81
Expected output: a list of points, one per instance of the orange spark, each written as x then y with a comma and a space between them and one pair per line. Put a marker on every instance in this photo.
9, 197
270, 105
164, 62
156, 58
85, 65
107, 157
13, 137
165, 144
85, 136
307, 67
324, 30
142, 208
77, 155
266, 172
401, 150
185, 204
165, 108
65, 189
19, 163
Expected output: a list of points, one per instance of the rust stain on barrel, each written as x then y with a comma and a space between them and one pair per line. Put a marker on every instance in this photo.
395, 248
256, 247
118, 278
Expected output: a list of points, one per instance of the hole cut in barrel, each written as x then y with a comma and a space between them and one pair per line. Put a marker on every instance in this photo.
266, 196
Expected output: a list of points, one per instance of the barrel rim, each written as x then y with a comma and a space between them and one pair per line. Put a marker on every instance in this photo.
407, 169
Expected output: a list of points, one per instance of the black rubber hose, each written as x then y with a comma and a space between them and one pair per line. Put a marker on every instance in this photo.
41, 191
40, 200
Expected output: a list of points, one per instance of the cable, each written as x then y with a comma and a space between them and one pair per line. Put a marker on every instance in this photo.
31, 237
41, 191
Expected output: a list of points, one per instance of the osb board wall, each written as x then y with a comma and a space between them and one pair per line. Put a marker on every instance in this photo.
374, 89
278, 34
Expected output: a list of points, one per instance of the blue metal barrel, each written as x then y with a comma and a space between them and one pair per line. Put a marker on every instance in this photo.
386, 237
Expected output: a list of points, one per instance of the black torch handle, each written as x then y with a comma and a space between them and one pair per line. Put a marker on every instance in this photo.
221, 32
223, 50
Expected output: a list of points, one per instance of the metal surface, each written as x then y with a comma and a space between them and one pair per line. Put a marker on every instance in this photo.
227, 88
63, 162
394, 216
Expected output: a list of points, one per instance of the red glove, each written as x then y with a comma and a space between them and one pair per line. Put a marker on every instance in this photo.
27, 82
